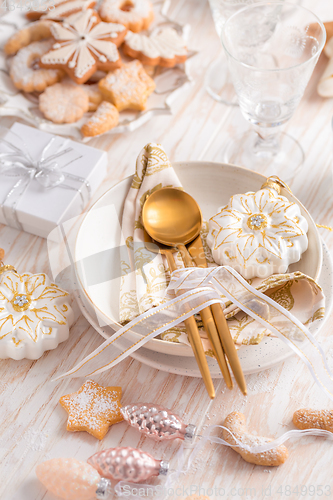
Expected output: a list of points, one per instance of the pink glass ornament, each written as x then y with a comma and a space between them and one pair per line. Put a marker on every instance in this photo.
127, 464
157, 422
71, 479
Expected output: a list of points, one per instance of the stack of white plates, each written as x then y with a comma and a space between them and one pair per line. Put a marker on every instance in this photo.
212, 185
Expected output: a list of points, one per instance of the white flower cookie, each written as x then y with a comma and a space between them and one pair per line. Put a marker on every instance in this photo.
35, 315
258, 234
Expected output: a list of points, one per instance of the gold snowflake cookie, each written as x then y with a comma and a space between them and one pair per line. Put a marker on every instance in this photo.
93, 408
105, 118
127, 87
136, 15
64, 103
84, 44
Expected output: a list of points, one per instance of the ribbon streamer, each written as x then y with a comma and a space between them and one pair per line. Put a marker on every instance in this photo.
16, 161
201, 288
136, 491
268, 312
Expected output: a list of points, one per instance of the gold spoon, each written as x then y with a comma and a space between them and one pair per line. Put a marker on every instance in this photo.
176, 220
173, 218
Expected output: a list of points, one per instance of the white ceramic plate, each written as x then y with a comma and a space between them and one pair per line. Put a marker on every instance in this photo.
212, 185
268, 353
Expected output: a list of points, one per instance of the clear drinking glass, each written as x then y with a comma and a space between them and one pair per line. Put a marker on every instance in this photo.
217, 82
272, 49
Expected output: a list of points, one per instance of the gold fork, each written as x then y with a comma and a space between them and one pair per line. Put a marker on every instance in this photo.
190, 323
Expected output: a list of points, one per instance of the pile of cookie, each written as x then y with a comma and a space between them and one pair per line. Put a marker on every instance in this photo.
69, 55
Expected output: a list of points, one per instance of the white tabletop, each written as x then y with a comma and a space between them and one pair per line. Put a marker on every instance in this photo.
33, 424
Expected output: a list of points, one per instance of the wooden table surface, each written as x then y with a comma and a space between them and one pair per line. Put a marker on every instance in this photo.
33, 424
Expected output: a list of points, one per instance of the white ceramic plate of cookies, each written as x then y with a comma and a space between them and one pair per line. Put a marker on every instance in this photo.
212, 185
169, 81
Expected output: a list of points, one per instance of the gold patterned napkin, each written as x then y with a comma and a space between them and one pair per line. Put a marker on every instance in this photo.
145, 276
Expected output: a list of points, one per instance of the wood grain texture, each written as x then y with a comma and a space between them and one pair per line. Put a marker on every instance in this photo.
33, 424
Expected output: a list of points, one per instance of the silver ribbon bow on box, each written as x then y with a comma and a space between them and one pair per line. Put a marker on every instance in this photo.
16, 161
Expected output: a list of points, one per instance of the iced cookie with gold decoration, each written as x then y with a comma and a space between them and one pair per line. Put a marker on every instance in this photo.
59, 9
25, 71
35, 314
127, 87
105, 118
136, 15
64, 103
93, 408
84, 44
258, 234
165, 48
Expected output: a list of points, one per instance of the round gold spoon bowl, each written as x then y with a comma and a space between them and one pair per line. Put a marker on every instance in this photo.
171, 217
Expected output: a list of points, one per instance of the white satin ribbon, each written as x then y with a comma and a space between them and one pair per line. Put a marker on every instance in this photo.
129, 490
267, 312
201, 287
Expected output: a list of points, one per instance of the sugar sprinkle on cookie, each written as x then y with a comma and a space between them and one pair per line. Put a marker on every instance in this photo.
165, 48
25, 71
136, 15
105, 118
235, 422
93, 408
64, 102
127, 87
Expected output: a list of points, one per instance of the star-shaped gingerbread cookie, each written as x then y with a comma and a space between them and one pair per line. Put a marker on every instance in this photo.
93, 408
127, 87
84, 44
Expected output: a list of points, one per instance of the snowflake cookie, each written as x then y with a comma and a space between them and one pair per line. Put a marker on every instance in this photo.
84, 44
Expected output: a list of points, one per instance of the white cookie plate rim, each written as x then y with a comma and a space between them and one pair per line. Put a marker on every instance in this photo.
96, 233
169, 81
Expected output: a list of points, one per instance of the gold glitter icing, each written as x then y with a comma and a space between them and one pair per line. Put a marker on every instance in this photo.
27, 301
257, 221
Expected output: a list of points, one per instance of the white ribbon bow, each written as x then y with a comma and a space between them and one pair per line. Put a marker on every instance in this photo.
16, 161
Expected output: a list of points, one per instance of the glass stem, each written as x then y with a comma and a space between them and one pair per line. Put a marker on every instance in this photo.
267, 143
